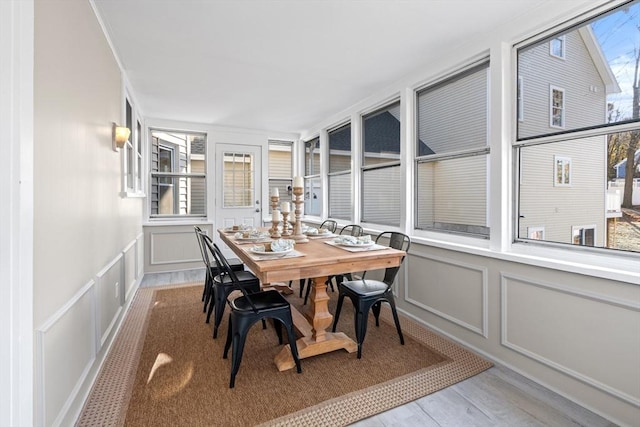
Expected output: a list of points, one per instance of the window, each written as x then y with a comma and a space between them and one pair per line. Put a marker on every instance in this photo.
381, 185
178, 174
562, 172
556, 47
574, 208
340, 172
132, 169
312, 181
452, 154
556, 108
238, 179
536, 233
584, 235
281, 169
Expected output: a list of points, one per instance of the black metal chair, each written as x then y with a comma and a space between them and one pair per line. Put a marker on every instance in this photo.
368, 294
222, 285
246, 310
332, 226
211, 269
350, 230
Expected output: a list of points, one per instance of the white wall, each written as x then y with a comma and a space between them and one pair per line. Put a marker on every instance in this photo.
87, 238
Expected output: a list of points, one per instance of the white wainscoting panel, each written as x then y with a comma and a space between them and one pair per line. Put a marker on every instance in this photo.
539, 319
450, 289
139, 255
65, 352
109, 282
130, 257
171, 247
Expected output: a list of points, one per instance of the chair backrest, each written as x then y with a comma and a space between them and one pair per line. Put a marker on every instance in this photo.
398, 241
226, 270
352, 229
330, 225
203, 252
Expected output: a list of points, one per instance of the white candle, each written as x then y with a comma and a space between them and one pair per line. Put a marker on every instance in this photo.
275, 192
298, 181
285, 207
276, 215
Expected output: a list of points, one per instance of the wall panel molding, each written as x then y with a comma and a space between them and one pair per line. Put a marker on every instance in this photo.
155, 258
508, 282
453, 265
48, 336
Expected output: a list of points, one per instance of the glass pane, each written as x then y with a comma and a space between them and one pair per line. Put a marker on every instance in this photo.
381, 196
237, 186
312, 157
452, 195
382, 136
312, 196
588, 211
177, 153
280, 160
340, 149
178, 196
340, 196
595, 70
284, 190
452, 116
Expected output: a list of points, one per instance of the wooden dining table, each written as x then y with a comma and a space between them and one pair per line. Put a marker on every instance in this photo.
316, 259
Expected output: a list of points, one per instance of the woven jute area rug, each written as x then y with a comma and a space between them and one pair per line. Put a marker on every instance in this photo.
165, 369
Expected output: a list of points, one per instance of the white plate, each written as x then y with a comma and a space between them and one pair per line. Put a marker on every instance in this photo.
320, 234
253, 239
270, 254
354, 245
231, 230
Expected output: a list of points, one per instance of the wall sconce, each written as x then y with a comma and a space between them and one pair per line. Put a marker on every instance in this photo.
120, 136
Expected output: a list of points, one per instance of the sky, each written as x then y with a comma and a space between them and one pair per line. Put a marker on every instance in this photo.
619, 37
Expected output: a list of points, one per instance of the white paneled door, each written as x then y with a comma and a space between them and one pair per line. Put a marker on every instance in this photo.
238, 189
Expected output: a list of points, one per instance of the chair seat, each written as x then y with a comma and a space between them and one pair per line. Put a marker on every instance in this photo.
366, 287
263, 301
235, 263
243, 276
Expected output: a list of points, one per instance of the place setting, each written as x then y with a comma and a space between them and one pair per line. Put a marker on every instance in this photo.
355, 244
275, 249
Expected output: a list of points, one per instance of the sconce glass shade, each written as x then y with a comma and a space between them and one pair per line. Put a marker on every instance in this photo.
120, 135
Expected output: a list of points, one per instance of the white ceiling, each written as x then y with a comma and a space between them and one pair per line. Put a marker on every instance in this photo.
283, 65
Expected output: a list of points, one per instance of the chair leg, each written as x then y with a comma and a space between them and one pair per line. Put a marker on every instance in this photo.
227, 343
361, 326
237, 348
278, 327
219, 303
294, 347
302, 282
395, 319
376, 311
338, 308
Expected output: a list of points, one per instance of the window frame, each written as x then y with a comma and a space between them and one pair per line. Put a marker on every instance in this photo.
563, 46
315, 176
562, 108
133, 181
178, 217
519, 245
392, 163
472, 67
342, 172
287, 195
566, 161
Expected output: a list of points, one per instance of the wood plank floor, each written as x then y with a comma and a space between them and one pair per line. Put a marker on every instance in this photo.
496, 397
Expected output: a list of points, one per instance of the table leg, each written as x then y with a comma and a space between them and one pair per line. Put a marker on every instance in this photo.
320, 341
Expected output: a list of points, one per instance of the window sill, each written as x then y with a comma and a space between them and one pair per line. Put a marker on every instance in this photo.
623, 267
132, 195
163, 222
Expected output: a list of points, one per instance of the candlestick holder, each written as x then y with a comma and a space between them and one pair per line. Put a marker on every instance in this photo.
273, 231
297, 225
286, 227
